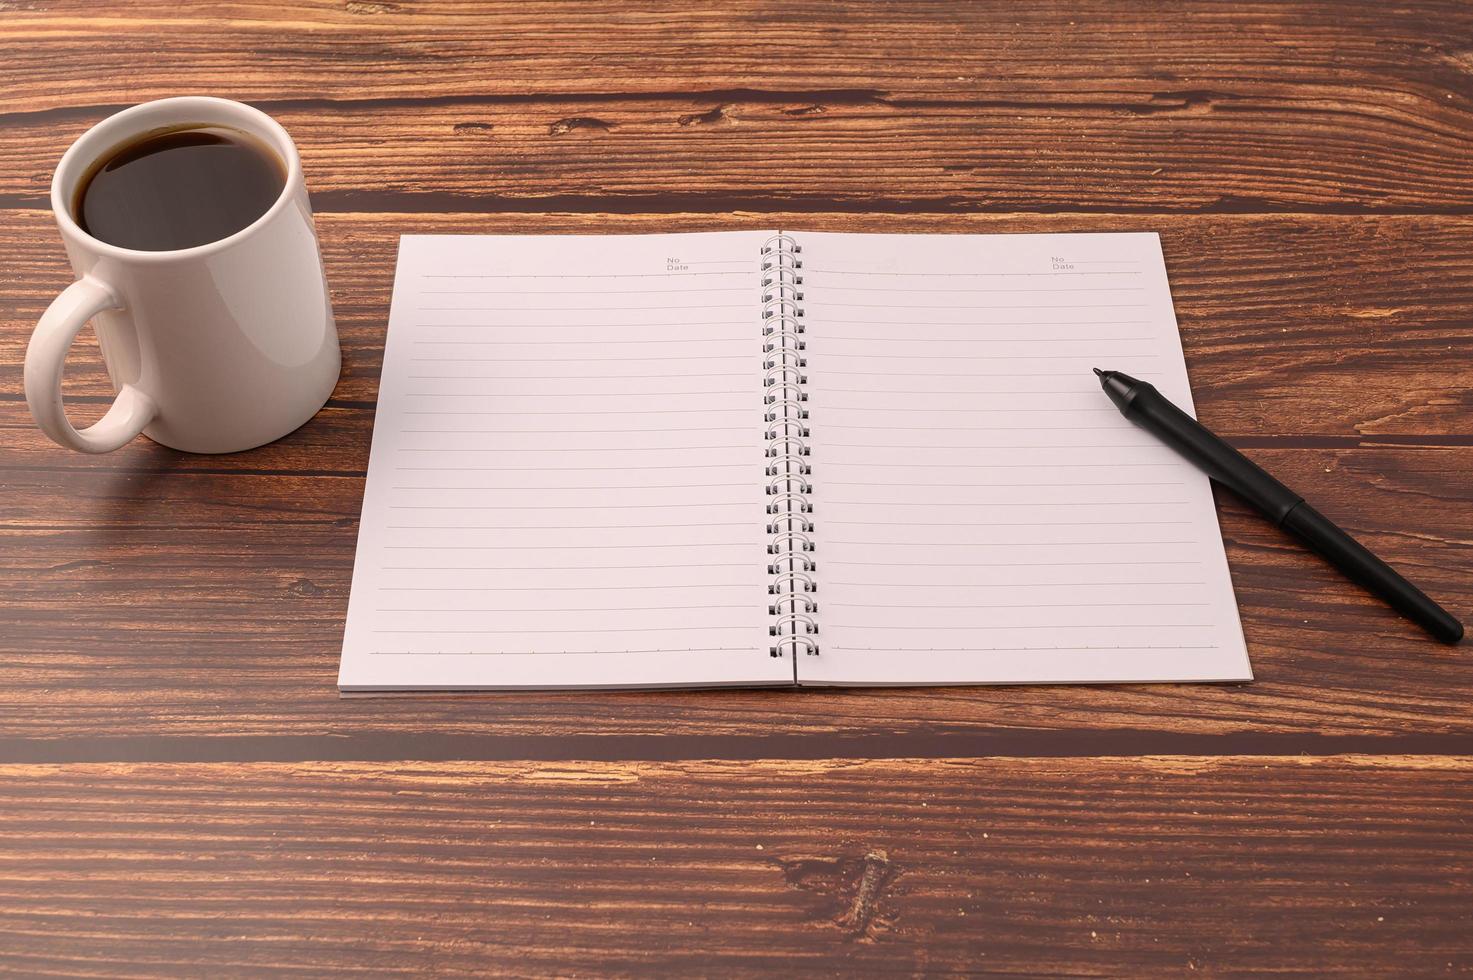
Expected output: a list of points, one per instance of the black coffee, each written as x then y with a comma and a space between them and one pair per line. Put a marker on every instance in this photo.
177, 189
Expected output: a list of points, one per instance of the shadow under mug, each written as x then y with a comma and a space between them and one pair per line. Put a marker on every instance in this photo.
212, 349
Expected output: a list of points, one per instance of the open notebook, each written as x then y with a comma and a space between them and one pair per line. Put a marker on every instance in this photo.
780, 458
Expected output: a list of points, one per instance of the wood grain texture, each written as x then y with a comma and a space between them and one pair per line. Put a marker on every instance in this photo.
221, 595
1292, 325
905, 867
938, 106
182, 792
218, 584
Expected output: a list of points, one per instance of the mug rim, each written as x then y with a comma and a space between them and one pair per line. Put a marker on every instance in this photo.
116, 129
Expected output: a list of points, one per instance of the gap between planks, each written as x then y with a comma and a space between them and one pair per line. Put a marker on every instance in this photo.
594, 747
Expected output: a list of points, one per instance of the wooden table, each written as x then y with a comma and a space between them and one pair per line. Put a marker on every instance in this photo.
182, 791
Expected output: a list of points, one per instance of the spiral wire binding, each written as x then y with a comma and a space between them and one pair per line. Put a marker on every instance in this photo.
789, 508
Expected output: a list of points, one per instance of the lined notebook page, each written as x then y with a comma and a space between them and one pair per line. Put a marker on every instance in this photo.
566, 483
984, 513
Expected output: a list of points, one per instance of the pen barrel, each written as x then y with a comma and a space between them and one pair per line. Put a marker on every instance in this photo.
1370, 572
1151, 410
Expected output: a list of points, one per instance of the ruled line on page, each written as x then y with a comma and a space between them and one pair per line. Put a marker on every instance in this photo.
1051, 649
1036, 626
743, 503
1047, 290
1143, 375
504, 378
559, 609
1113, 583
1053, 483
547, 527
622, 486
663, 342
981, 411
555, 469
580, 275
584, 309
829, 321
946, 391
954, 275
585, 360
1001, 544
974, 306
591, 629
542, 588
549, 653
607, 411
1116, 427
1015, 503
591, 546
584, 326
990, 466
1014, 605
887, 506
980, 357
559, 568
565, 432
1009, 564
569, 449
585, 292
1056, 445
979, 340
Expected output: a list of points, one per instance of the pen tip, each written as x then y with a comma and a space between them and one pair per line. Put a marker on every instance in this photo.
1099, 373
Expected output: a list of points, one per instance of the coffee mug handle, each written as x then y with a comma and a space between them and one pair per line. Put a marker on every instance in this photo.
131, 410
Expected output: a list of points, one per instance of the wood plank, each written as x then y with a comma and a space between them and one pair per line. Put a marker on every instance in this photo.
1346, 866
204, 606
163, 604
645, 156
1293, 325
1311, 105
329, 48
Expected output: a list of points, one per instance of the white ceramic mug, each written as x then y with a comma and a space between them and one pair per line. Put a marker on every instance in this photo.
212, 349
